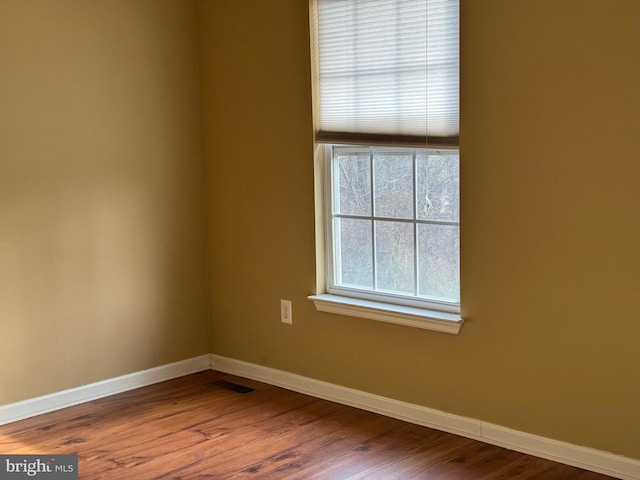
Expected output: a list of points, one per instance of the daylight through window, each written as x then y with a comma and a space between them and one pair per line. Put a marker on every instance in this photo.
387, 112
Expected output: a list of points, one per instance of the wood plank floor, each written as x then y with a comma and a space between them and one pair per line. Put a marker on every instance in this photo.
188, 429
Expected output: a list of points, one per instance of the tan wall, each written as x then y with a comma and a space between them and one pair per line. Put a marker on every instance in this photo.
550, 263
101, 191
102, 264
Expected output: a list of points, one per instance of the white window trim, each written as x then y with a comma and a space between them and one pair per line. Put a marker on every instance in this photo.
387, 312
364, 293
445, 319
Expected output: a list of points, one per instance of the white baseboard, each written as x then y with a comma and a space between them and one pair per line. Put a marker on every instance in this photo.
582, 457
73, 396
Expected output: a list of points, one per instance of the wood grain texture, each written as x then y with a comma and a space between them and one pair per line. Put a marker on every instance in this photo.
185, 429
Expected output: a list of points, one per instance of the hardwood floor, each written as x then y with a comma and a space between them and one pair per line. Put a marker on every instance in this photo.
189, 429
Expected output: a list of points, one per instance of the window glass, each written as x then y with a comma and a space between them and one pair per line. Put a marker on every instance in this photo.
394, 223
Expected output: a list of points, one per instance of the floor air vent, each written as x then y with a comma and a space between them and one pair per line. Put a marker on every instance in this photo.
234, 387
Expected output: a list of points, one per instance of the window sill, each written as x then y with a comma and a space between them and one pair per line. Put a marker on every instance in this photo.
385, 312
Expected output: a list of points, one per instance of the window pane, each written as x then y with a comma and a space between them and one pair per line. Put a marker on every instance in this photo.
394, 257
438, 187
354, 265
354, 191
439, 261
393, 186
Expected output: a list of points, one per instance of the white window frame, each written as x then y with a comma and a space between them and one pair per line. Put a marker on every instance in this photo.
431, 314
330, 196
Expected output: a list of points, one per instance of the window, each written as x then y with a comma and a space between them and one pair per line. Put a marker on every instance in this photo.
386, 106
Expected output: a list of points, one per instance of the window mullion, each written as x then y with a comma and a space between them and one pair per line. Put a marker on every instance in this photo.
415, 225
373, 228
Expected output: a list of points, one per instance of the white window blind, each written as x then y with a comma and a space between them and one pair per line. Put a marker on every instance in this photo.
387, 72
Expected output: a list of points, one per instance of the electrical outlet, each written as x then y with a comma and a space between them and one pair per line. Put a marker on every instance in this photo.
285, 312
